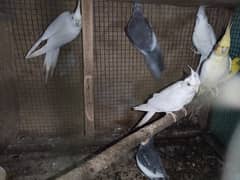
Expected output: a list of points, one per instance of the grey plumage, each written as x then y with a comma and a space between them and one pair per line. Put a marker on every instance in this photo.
149, 161
141, 35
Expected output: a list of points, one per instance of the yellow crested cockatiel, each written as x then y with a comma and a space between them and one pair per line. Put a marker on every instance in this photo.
218, 65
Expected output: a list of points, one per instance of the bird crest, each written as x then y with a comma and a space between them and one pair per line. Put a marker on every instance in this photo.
223, 45
77, 14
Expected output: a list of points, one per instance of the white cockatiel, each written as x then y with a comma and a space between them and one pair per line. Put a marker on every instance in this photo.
171, 99
218, 65
64, 29
204, 38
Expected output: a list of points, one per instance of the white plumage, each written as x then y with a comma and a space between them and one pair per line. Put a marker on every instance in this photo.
217, 66
214, 69
171, 99
204, 38
65, 28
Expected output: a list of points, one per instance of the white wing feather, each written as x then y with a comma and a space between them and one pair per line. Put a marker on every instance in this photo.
173, 98
52, 29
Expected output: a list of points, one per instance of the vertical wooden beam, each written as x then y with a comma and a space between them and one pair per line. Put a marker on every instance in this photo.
88, 58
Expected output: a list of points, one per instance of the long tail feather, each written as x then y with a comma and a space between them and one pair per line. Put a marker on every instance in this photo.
29, 54
203, 58
144, 107
154, 60
145, 119
40, 51
50, 63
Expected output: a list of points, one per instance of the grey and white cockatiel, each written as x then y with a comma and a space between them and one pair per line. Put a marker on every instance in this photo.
64, 29
172, 98
218, 65
149, 161
204, 38
141, 34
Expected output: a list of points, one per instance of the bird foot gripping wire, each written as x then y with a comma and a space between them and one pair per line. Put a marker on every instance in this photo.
195, 51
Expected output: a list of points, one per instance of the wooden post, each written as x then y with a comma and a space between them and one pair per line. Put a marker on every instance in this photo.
90, 168
88, 58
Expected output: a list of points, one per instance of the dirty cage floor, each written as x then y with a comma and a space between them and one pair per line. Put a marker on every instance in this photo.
184, 159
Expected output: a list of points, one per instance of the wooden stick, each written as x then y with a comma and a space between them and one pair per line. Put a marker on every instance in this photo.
88, 59
92, 167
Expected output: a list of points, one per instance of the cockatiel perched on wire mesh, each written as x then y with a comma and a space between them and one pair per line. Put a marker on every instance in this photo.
218, 64
64, 29
140, 33
171, 99
149, 161
204, 38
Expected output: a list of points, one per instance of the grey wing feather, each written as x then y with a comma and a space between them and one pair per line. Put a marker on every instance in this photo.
140, 32
150, 159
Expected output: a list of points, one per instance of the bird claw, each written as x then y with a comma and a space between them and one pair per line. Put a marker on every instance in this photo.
185, 111
173, 115
195, 51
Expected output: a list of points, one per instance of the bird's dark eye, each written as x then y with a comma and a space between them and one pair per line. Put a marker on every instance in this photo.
188, 84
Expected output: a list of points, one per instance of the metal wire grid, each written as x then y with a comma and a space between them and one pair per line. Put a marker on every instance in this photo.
121, 77
122, 80
235, 35
56, 108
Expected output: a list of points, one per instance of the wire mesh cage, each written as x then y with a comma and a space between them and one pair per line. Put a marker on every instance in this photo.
56, 107
121, 79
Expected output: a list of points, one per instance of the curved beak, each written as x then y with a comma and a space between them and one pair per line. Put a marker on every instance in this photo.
192, 71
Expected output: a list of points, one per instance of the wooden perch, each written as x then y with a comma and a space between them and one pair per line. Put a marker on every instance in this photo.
92, 167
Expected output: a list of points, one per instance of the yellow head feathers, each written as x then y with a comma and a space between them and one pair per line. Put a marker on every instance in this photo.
235, 66
226, 39
223, 45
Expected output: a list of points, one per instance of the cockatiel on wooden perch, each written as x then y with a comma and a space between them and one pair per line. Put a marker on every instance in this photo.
64, 29
171, 99
204, 38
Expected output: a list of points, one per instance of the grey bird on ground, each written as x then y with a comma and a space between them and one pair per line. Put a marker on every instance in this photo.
149, 161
